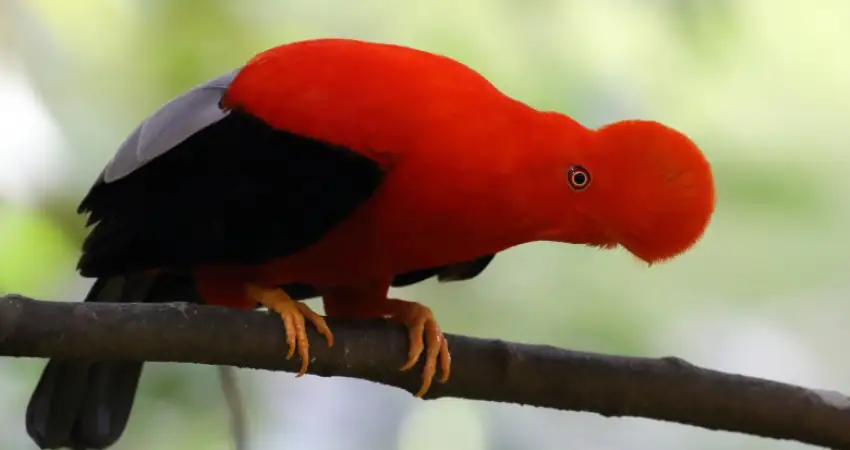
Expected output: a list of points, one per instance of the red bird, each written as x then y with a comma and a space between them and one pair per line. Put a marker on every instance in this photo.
338, 168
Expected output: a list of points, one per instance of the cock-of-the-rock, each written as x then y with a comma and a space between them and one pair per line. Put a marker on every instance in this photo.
339, 168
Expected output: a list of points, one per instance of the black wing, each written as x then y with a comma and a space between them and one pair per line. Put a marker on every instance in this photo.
233, 191
452, 272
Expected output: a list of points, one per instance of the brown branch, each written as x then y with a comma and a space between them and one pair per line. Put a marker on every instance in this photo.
667, 389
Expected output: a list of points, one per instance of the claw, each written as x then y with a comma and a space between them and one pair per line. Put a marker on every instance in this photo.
293, 315
425, 335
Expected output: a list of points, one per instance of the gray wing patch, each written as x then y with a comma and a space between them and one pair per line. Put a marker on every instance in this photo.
176, 121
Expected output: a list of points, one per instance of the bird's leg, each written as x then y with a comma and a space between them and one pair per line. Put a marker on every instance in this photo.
293, 314
364, 302
420, 322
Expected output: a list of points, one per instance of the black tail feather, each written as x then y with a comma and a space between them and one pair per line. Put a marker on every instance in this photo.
51, 412
85, 405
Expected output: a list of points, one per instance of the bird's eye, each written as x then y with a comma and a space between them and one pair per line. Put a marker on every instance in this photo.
578, 177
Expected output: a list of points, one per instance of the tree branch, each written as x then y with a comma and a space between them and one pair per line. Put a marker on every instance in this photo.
668, 389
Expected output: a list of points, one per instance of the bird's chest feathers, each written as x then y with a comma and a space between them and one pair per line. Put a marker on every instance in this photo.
430, 215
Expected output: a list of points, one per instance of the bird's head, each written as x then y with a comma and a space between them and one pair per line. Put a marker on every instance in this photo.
639, 185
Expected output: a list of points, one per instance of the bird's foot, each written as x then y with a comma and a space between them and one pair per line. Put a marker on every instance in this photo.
293, 314
420, 323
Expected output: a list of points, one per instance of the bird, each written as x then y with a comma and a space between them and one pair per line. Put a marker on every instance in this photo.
339, 168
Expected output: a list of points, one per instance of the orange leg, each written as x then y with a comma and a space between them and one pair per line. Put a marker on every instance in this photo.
423, 331
420, 322
293, 314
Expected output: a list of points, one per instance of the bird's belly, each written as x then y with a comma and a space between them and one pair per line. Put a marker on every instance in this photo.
355, 253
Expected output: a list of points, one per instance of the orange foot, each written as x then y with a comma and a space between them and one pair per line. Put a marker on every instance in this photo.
420, 322
293, 314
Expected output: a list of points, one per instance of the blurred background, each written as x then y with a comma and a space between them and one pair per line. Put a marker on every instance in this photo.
761, 85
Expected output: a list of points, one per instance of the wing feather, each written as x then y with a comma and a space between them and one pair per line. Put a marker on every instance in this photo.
195, 184
172, 124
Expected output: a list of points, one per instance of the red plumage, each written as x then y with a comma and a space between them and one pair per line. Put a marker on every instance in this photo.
338, 168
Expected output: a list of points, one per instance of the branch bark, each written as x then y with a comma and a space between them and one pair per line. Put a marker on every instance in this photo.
668, 389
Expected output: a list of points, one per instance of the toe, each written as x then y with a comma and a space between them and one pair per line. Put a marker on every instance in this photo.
445, 360
416, 344
426, 384
289, 327
303, 345
304, 353
433, 339
430, 362
318, 322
